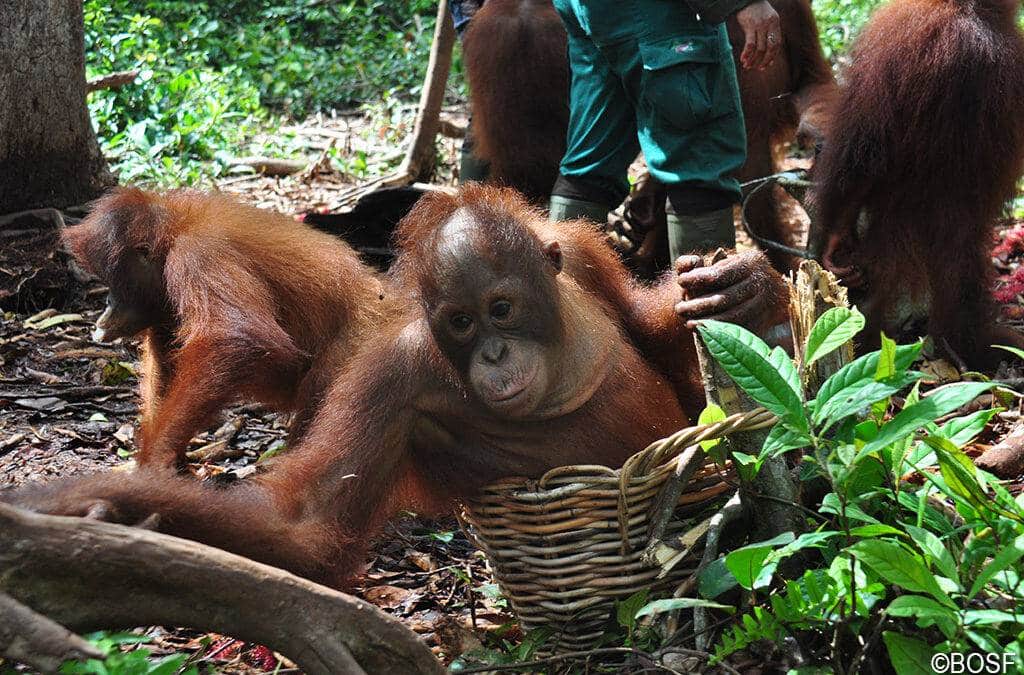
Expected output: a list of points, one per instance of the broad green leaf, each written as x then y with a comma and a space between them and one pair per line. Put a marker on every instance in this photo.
672, 604
1019, 353
926, 611
746, 465
783, 439
786, 367
988, 617
863, 368
859, 395
898, 565
886, 360
941, 401
1006, 557
711, 414
748, 563
533, 641
877, 530
985, 642
1003, 496
832, 330
908, 656
935, 549
962, 430
962, 479
626, 609
831, 504
958, 471
806, 540
930, 517
861, 482
168, 665
715, 579
748, 361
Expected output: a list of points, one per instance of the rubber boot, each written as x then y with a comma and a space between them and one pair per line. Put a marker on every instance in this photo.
566, 208
701, 233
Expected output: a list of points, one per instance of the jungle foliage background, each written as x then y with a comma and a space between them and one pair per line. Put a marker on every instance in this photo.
220, 79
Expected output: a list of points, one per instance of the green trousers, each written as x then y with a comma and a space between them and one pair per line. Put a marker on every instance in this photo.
649, 75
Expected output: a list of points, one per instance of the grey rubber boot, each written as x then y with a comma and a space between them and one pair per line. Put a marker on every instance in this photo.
565, 208
706, 232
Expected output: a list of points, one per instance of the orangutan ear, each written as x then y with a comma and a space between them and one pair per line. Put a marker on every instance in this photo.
553, 251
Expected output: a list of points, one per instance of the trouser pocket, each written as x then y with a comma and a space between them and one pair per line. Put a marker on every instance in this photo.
684, 80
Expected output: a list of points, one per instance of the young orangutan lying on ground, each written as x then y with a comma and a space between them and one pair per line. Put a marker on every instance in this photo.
524, 345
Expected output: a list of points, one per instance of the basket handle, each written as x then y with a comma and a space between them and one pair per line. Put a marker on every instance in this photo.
673, 448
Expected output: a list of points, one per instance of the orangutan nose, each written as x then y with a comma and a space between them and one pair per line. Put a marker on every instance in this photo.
494, 351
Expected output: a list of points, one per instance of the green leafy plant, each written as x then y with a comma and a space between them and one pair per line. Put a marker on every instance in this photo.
217, 79
919, 567
138, 661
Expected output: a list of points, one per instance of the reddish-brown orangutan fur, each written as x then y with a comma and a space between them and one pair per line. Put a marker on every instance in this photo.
514, 51
252, 299
928, 146
400, 427
518, 74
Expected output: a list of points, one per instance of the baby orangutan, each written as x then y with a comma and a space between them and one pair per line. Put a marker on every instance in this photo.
232, 303
524, 345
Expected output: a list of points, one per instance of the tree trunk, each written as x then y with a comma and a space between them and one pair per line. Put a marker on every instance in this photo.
49, 156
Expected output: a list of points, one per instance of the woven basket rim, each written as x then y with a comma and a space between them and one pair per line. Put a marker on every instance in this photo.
636, 471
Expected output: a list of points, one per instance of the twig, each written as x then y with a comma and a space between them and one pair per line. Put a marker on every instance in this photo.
271, 166
787, 502
52, 216
556, 658
691, 460
601, 651
731, 511
420, 156
960, 363
111, 81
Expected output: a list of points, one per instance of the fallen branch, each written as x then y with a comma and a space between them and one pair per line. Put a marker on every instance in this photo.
419, 160
31, 638
270, 166
89, 575
418, 164
111, 81
49, 216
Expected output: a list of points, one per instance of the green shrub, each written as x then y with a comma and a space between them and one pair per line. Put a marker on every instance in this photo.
920, 567
213, 75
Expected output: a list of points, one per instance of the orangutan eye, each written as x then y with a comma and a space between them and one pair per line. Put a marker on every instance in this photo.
501, 309
461, 323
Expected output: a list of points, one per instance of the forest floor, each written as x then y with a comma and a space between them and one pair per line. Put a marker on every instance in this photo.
69, 405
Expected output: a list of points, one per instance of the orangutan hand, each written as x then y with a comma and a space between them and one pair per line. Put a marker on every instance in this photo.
743, 289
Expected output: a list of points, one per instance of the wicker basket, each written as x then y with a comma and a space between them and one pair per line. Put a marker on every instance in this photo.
565, 547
